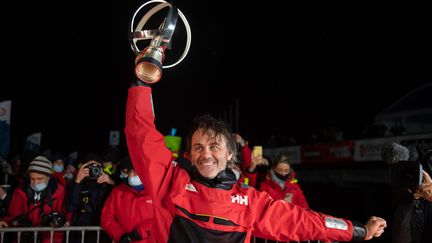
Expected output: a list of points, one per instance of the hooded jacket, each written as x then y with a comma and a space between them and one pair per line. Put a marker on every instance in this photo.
125, 210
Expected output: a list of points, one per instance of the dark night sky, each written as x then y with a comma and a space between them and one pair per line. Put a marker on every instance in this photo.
294, 67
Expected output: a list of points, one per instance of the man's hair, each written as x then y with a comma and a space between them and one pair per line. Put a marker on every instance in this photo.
215, 129
281, 158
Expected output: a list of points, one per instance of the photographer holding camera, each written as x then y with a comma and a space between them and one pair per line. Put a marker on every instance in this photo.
409, 167
39, 201
87, 195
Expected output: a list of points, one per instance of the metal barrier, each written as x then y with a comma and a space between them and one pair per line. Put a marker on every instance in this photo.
35, 230
254, 240
83, 230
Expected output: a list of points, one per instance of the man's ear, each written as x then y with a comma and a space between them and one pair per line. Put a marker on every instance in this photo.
230, 156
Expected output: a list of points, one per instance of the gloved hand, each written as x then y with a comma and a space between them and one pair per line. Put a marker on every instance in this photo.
135, 235
125, 238
128, 237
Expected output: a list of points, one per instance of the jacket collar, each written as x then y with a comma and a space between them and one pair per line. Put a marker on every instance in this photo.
224, 180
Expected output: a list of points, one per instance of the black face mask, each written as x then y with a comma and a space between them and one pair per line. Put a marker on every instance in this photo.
282, 177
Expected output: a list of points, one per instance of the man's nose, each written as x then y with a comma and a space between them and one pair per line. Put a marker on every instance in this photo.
207, 153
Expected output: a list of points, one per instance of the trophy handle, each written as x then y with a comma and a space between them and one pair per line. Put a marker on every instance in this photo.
161, 36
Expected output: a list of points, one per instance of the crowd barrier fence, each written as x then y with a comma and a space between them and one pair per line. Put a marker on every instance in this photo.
83, 230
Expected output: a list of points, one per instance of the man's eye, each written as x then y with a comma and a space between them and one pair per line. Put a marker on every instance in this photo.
215, 148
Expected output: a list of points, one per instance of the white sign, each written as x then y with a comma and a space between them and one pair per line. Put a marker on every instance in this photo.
5, 110
114, 138
370, 149
293, 153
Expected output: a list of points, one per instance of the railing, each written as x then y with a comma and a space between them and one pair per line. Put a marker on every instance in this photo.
254, 240
35, 230
83, 230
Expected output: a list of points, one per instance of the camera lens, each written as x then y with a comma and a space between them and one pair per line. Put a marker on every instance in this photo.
95, 171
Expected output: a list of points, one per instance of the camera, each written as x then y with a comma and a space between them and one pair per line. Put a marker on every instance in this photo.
95, 170
54, 219
407, 164
407, 174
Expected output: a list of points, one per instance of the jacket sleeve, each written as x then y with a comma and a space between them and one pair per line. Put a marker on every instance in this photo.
150, 157
246, 154
282, 221
18, 205
73, 202
108, 219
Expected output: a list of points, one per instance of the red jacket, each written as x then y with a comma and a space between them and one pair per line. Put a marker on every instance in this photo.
60, 177
292, 189
126, 210
189, 211
248, 177
20, 205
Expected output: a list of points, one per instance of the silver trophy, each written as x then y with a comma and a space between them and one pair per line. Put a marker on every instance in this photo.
148, 63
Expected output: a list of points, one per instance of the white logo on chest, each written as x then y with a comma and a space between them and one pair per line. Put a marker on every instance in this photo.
242, 200
190, 187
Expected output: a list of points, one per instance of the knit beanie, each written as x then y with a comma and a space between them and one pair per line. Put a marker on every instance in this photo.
41, 165
126, 163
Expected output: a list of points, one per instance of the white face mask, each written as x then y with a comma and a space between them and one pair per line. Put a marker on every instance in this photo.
69, 176
39, 187
134, 181
58, 168
123, 175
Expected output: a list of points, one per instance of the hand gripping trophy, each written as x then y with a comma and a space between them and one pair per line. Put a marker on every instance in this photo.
148, 63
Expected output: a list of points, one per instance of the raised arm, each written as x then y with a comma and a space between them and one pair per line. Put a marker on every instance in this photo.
150, 157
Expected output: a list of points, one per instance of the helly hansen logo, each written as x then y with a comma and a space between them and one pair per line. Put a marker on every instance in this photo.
239, 199
190, 187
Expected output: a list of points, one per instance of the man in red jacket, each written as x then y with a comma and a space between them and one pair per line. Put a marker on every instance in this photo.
127, 215
37, 200
204, 202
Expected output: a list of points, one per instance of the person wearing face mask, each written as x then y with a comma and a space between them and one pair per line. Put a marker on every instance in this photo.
127, 215
70, 173
58, 161
39, 195
205, 202
282, 184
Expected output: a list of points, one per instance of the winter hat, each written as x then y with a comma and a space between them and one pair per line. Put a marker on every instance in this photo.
58, 156
40, 164
126, 163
